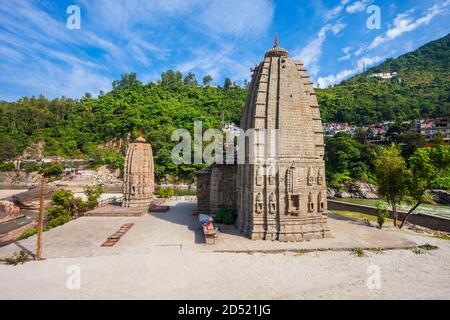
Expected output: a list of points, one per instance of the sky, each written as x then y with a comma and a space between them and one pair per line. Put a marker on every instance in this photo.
39, 54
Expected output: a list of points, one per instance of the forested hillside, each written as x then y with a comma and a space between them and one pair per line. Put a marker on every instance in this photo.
75, 128
421, 89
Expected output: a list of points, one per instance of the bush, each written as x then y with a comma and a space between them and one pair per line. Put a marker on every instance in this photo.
52, 169
382, 214
28, 233
7, 167
93, 195
226, 216
17, 258
30, 167
59, 221
165, 193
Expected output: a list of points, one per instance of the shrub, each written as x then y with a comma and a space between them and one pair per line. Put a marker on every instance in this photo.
16, 259
30, 167
52, 169
59, 221
93, 195
358, 252
7, 167
226, 216
27, 234
166, 193
382, 214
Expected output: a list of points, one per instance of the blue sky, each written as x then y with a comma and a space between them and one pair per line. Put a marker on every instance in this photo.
223, 38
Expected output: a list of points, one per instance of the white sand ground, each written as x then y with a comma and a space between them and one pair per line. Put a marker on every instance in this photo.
162, 257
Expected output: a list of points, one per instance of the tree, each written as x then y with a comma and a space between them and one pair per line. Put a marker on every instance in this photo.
392, 176
128, 80
172, 79
7, 149
228, 83
207, 80
427, 166
190, 80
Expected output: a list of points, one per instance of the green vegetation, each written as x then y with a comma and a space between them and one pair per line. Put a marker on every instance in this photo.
382, 214
426, 247
85, 128
357, 216
165, 193
16, 259
51, 169
65, 207
226, 216
392, 176
423, 91
7, 167
360, 253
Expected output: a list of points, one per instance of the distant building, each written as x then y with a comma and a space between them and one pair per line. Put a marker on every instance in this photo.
384, 75
431, 127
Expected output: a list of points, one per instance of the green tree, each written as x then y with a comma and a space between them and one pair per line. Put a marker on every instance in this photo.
172, 79
392, 176
128, 81
190, 80
228, 83
207, 80
427, 166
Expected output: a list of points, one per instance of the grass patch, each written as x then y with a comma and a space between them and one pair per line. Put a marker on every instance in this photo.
358, 216
16, 259
428, 247
360, 253
424, 248
443, 238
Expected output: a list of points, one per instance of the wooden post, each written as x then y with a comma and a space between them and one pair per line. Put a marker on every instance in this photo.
40, 227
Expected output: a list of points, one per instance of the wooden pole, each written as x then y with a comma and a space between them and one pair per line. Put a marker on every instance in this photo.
40, 221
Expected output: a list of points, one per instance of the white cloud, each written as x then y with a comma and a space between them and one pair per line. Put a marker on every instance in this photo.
238, 17
334, 13
405, 23
361, 64
357, 6
313, 50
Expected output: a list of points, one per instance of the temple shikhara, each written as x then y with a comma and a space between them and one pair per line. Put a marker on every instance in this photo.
281, 198
139, 179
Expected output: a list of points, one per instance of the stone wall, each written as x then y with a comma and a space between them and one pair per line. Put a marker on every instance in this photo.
431, 222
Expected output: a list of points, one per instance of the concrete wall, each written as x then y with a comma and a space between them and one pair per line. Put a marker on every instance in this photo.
431, 222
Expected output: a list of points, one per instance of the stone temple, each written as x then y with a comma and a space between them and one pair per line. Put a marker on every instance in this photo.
138, 187
287, 203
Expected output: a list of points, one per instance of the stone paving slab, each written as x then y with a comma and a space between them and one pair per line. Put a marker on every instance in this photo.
179, 230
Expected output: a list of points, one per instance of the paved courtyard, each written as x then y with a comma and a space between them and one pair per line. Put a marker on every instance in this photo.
163, 257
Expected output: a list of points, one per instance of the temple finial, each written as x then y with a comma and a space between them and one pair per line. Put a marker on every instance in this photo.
140, 132
275, 41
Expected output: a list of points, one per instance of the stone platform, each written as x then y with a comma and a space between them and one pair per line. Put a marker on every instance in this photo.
117, 211
179, 231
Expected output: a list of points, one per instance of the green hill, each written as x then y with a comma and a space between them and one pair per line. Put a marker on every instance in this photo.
75, 128
421, 89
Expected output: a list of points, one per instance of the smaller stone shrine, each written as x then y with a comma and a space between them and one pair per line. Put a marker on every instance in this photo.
139, 179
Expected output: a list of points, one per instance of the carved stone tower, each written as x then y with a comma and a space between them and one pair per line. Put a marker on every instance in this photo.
286, 202
139, 178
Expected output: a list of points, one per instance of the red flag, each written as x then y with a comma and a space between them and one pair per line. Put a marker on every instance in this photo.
140, 132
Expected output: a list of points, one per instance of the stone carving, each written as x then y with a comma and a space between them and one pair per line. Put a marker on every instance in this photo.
272, 204
259, 203
310, 177
281, 97
310, 203
260, 176
320, 178
321, 202
139, 177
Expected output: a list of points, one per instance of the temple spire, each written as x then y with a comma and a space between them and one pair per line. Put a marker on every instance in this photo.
275, 41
